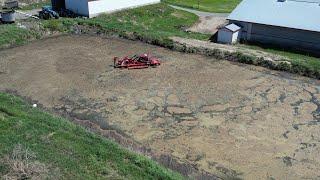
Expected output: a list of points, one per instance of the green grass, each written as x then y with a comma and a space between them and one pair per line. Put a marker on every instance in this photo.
58, 143
154, 22
301, 59
10, 35
217, 6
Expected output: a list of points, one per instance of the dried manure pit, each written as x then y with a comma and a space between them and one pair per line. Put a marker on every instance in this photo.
231, 120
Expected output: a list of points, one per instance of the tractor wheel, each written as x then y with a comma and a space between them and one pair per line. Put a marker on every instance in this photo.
45, 16
41, 15
51, 16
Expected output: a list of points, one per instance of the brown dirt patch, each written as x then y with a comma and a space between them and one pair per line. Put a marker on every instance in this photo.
227, 119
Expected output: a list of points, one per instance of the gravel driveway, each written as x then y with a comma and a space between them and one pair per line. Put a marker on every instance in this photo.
208, 22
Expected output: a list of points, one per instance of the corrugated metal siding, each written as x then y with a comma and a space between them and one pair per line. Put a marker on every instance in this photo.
292, 14
78, 6
286, 33
225, 36
284, 37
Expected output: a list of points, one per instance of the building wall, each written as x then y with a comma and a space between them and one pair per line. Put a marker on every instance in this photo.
224, 36
107, 6
78, 6
235, 37
284, 37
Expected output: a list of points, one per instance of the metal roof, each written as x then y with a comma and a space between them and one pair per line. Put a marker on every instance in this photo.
233, 27
296, 14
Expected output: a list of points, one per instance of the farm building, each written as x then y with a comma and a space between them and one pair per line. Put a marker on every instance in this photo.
92, 8
285, 23
229, 34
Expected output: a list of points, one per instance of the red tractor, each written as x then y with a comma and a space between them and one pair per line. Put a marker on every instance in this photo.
136, 62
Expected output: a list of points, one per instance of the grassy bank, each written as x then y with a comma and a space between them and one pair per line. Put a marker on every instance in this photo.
151, 23
37, 144
303, 59
11, 35
217, 6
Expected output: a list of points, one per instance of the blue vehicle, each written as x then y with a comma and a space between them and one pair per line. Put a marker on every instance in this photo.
47, 12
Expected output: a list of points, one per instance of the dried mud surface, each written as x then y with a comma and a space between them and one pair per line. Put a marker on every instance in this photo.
231, 120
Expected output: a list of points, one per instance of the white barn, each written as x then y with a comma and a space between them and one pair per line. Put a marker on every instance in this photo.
293, 24
92, 8
229, 34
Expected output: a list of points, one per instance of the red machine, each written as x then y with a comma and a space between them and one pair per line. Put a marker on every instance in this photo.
136, 62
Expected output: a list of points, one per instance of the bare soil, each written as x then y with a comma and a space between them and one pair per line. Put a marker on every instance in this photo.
227, 119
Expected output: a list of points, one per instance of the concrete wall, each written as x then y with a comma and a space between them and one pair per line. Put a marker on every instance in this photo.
279, 36
107, 6
78, 6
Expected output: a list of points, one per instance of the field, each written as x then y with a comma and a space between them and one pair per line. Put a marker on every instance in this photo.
216, 6
230, 120
154, 24
37, 145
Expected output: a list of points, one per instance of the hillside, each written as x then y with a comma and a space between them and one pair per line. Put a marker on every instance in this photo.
35, 144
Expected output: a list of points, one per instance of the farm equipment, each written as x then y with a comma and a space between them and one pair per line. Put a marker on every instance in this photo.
55, 11
48, 13
136, 62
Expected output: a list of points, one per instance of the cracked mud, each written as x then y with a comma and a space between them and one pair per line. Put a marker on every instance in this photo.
230, 120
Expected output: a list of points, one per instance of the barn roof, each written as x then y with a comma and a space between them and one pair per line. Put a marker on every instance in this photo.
296, 14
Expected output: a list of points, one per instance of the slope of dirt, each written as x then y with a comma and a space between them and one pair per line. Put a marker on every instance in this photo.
227, 119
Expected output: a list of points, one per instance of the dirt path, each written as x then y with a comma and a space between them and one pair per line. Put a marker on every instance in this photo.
208, 22
193, 43
227, 119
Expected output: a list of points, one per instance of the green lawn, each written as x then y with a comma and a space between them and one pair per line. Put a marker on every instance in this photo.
52, 147
155, 22
217, 6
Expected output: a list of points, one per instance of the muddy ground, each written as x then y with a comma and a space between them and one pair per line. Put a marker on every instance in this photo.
227, 119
